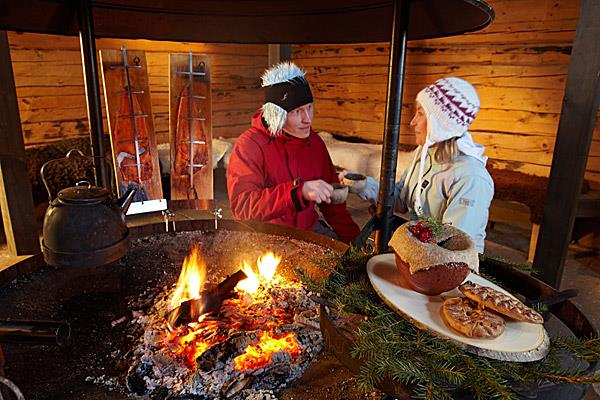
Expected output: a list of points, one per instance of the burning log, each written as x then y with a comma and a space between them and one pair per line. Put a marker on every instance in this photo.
210, 301
35, 332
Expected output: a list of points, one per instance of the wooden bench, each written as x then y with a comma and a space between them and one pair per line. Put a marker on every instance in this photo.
518, 201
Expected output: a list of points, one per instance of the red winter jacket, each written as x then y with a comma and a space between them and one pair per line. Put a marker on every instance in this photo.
260, 179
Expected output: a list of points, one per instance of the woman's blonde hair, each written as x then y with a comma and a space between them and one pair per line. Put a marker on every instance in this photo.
446, 151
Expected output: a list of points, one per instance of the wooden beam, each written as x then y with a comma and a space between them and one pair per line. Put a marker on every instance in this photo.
15, 189
573, 140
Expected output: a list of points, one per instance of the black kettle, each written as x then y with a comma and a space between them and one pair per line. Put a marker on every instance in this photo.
84, 226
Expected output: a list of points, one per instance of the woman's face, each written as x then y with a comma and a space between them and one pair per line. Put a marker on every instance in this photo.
299, 121
419, 124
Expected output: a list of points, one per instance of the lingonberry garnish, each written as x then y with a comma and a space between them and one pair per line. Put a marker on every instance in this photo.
422, 232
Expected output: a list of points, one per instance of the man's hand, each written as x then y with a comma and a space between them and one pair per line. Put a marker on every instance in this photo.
318, 191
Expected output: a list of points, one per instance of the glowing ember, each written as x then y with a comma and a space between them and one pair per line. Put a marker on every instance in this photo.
260, 355
191, 279
186, 345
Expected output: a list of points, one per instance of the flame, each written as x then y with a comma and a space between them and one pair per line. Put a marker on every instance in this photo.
267, 265
191, 279
251, 283
260, 355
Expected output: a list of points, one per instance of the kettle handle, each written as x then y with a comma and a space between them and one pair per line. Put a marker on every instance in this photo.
68, 157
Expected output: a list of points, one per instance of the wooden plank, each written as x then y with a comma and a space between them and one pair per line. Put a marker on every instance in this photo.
125, 129
317, 56
575, 130
189, 182
16, 201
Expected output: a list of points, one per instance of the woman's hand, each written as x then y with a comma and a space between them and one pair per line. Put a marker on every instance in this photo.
342, 174
318, 191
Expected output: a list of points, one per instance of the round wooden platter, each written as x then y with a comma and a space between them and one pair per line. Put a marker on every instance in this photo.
520, 342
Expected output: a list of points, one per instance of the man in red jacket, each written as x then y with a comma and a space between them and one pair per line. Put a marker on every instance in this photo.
280, 168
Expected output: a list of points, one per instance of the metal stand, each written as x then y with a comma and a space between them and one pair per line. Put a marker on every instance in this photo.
382, 222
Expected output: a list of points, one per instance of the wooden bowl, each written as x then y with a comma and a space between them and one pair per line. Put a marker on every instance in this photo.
434, 280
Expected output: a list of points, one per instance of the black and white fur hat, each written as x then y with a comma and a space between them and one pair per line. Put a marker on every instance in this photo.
286, 89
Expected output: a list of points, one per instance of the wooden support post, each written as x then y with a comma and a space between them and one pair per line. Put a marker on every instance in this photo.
573, 140
15, 189
279, 53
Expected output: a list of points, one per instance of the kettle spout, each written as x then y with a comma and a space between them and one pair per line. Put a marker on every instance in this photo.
125, 201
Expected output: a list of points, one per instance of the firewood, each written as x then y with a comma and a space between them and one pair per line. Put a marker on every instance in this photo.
210, 301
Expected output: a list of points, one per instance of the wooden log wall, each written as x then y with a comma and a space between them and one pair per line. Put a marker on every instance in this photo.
518, 64
51, 92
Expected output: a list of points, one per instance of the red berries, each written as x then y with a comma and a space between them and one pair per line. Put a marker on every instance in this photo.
422, 232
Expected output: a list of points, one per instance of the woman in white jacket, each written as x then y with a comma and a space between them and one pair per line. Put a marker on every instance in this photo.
448, 167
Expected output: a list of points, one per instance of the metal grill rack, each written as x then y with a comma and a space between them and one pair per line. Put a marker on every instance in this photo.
191, 73
133, 115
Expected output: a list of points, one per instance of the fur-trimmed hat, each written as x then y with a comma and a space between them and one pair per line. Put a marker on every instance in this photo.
286, 89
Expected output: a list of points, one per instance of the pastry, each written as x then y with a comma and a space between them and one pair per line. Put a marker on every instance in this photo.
433, 263
467, 318
500, 302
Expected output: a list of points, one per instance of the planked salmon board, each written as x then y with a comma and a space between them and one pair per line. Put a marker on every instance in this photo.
190, 131
131, 126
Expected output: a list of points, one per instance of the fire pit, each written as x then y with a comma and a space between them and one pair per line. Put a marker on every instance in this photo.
254, 332
122, 342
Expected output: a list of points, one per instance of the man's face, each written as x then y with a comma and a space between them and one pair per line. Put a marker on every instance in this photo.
299, 121
419, 125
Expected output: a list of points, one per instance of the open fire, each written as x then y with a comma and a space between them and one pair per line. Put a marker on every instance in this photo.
254, 332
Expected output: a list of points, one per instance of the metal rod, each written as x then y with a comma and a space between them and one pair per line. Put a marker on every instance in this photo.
133, 115
92, 89
191, 73
194, 97
189, 118
139, 115
391, 136
129, 91
191, 165
35, 332
126, 66
195, 142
